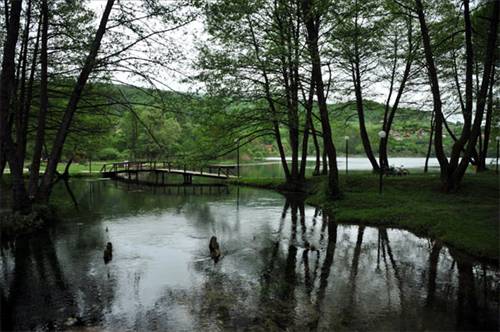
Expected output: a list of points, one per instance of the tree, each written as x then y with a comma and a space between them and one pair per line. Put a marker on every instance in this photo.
452, 171
312, 18
70, 58
7, 88
260, 63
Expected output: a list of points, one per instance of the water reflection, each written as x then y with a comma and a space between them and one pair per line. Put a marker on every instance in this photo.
285, 266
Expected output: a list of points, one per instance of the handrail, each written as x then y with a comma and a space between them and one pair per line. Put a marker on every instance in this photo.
220, 170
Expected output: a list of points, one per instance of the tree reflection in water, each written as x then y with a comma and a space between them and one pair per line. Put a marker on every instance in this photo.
36, 293
359, 278
284, 280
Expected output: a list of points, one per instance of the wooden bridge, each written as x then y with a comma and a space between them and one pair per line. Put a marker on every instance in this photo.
129, 170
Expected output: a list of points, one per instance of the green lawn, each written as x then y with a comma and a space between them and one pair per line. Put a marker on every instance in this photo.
467, 220
76, 169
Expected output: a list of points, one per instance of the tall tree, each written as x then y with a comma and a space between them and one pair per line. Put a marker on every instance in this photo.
7, 86
312, 19
57, 145
452, 171
44, 104
260, 62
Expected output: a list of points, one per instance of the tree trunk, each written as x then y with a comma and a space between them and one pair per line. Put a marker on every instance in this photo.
458, 174
44, 104
365, 139
324, 160
483, 153
429, 147
21, 116
20, 200
3, 162
29, 93
281, 150
307, 126
459, 144
436, 94
312, 24
7, 75
433, 271
358, 91
389, 114
270, 101
57, 146
316, 147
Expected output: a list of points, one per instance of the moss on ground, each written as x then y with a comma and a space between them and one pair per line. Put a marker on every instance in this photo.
467, 220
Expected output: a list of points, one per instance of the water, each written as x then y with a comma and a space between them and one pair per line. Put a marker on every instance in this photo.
271, 167
162, 278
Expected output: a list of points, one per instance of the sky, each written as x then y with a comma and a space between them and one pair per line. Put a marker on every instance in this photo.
183, 42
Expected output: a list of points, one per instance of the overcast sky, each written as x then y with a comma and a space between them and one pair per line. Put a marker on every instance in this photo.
183, 42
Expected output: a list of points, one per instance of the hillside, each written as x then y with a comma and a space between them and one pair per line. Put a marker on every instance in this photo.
166, 124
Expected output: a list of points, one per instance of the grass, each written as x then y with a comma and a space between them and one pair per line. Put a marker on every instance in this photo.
75, 170
467, 220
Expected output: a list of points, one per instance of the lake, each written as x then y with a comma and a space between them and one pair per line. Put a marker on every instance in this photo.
271, 167
285, 266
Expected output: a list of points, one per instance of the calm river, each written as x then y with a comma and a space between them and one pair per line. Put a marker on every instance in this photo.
161, 276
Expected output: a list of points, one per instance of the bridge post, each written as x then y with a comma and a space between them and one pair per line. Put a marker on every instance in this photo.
188, 179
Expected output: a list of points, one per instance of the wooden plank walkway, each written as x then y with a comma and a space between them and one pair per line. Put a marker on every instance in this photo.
219, 172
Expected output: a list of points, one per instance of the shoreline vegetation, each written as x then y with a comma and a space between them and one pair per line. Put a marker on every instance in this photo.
16, 224
466, 220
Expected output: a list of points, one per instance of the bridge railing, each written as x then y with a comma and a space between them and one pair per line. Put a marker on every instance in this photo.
220, 170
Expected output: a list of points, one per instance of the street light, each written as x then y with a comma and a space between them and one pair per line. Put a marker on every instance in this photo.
346, 154
498, 150
382, 135
237, 141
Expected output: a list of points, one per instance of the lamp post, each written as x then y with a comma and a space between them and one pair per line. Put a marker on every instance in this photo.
382, 135
498, 150
237, 141
346, 154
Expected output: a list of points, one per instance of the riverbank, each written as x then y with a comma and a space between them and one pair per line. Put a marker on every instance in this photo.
466, 220
13, 225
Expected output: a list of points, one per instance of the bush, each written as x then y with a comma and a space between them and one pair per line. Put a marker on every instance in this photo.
109, 154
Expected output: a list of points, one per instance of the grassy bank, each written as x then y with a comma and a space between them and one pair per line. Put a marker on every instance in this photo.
75, 170
467, 220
